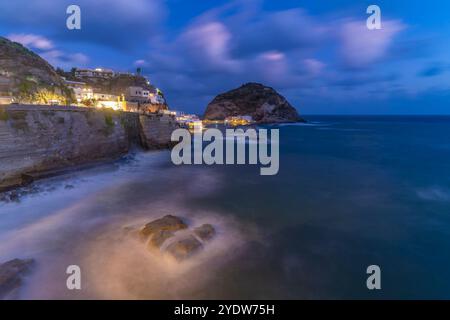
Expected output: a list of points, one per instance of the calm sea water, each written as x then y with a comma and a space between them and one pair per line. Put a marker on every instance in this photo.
351, 192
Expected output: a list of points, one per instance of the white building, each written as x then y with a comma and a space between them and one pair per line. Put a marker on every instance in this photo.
94, 73
105, 100
6, 99
155, 98
137, 92
105, 97
81, 90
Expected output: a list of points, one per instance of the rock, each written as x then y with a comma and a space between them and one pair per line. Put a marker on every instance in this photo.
262, 103
181, 245
205, 232
161, 229
11, 273
159, 237
184, 248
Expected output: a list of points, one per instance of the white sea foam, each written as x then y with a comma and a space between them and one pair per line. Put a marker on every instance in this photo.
84, 226
434, 194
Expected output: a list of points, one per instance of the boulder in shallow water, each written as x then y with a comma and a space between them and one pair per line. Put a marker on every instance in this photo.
184, 248
162, 235
205, 232
11, 275
159, 237
166, 223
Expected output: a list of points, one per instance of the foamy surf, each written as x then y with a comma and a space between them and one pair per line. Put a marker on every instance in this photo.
84, 225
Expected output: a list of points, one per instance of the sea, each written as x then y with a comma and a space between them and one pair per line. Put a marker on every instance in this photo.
351, 192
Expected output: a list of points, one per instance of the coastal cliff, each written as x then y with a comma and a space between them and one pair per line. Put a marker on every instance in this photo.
262, 103
39, 139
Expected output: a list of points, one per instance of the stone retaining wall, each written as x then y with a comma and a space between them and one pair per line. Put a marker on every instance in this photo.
36, 139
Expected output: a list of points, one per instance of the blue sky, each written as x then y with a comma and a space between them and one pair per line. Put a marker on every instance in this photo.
318, 54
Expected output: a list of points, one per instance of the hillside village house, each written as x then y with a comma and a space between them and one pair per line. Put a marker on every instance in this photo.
81, 90
5, 99
138, 94
155, 98
106, 100
105, 97
94, 73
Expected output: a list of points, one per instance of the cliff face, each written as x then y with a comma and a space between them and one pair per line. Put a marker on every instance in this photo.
39, 139
156, 130
263, 103
26, 76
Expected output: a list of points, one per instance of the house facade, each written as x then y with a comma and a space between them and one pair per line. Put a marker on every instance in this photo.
94, 73
81, 89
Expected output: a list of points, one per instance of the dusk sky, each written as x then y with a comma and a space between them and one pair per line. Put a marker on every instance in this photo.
318, 54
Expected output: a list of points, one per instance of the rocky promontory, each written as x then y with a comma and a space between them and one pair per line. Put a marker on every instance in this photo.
262, 103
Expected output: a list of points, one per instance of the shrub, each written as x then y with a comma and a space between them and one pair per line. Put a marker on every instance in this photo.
4, 116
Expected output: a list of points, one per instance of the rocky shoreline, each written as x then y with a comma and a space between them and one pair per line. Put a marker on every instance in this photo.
42, 141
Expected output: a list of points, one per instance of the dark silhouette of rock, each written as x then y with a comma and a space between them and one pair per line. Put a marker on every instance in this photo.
205, 232
11, 274
184, 248
262, 103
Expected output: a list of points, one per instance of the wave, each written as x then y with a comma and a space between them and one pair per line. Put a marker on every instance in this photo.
434, 194
84, 225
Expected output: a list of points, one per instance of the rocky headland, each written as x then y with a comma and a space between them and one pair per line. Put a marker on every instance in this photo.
262, 103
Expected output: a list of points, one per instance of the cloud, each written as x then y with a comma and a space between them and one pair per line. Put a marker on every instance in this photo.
120, 24
431, 71
361, 47
280, 31
47, 50
208, 46
314, 66
140, 63
32, 41
65, 60
227, 46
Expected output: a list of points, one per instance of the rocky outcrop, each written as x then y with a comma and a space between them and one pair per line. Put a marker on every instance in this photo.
158, 231
205, 232
11, 275
184, 248
170, 235
38, 141
262, 103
